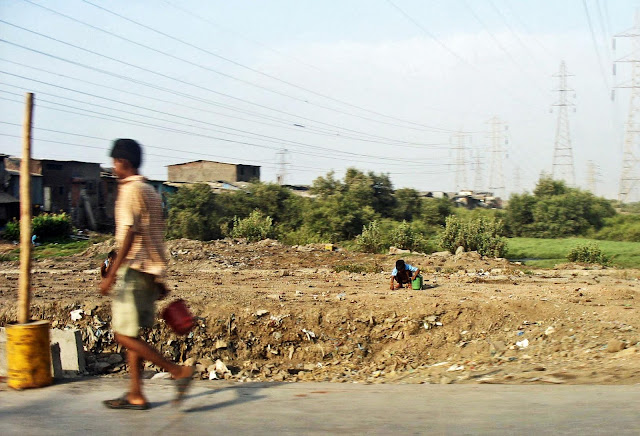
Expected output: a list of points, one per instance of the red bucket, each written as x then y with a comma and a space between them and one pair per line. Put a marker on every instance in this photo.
178, 316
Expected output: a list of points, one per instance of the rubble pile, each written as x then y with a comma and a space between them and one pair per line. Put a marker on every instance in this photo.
266, 311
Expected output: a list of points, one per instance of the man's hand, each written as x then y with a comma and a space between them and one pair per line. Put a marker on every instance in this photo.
106, 284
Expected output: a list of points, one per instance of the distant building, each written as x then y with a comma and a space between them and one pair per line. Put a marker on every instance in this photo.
67, 186
208, 171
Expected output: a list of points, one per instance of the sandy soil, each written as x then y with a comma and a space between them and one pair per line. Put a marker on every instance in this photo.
274, 312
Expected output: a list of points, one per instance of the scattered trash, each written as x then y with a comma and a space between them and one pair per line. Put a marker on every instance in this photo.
455, 367
76, 315
309, 333
522, 344
550, 330
161, 376
341, 296
520, 333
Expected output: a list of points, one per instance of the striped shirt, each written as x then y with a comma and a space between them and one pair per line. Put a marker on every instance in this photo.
139, 207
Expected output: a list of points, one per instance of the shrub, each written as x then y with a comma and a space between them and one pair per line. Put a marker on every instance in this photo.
587, 253
255, 227
46, 227
480, 234
370, 240
403, 236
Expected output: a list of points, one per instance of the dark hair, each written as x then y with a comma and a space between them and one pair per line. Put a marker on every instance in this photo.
400, 265
127, 149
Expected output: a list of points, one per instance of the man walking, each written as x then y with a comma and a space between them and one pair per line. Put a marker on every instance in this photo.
136, 272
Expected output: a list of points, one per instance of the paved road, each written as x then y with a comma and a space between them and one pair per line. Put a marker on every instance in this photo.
219, 407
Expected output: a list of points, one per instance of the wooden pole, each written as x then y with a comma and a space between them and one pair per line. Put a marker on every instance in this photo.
24, 284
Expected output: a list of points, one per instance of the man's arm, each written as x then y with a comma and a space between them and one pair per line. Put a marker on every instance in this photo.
109, 280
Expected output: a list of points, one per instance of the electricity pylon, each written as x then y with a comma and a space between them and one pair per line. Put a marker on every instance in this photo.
562, 152
592, 177
498, 140
459, 143
478, 181
630, 175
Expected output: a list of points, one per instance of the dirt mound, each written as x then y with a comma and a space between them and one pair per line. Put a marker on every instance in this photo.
275, 312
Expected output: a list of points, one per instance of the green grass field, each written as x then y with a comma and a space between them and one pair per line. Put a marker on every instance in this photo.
57, 249
545, 253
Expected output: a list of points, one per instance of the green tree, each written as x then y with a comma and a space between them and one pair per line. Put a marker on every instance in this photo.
408, 204
194, 213
555, 210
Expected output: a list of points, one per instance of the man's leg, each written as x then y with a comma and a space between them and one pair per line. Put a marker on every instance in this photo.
144, 351
135, 372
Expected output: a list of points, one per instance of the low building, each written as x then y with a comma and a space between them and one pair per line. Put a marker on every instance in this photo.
67, 186
210, 171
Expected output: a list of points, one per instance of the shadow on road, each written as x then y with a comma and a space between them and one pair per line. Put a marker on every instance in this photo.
244, 394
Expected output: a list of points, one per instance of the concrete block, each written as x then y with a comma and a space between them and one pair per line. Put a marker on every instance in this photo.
3, 352
67, 352
56, 364
71, 350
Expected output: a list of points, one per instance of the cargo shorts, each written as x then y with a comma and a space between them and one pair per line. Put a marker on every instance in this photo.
133, 305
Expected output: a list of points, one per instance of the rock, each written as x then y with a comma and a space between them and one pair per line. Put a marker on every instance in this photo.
615, 345
114, 359
221, 344
550, 330
277, 335
100, 367
262, 312
161, 376
441, 254
309, 367
190, 361
459, 250
497, 347
395, 250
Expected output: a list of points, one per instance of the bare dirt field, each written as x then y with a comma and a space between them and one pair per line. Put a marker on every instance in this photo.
274, 312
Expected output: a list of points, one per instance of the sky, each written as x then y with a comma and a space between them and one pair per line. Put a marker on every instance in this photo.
439, 94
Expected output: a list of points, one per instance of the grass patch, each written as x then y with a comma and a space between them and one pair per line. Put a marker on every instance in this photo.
545, 253
63, 248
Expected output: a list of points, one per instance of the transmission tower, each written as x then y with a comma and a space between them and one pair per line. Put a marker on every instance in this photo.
478, 181
630, 175
498, 140
459, 143
562, 152
517, 180
282, 166
592, 176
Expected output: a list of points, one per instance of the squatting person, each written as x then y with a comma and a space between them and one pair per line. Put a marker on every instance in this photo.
403, 273
137, 271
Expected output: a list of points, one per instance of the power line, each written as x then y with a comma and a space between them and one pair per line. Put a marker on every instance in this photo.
100, 115
212, 23
499, 44
255, 70
595, 46
286, 124
168, 77
442, 44
232, 77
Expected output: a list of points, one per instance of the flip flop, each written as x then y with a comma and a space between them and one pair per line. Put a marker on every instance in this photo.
182, 386
123, 403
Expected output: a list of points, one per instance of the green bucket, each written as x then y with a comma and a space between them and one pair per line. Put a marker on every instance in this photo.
416, 284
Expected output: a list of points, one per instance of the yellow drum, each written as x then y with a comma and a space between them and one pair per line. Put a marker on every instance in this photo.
28, 355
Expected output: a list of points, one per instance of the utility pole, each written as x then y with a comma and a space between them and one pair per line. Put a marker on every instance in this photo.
630, 175
562, 152
282, 166
459, 141
498, 140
